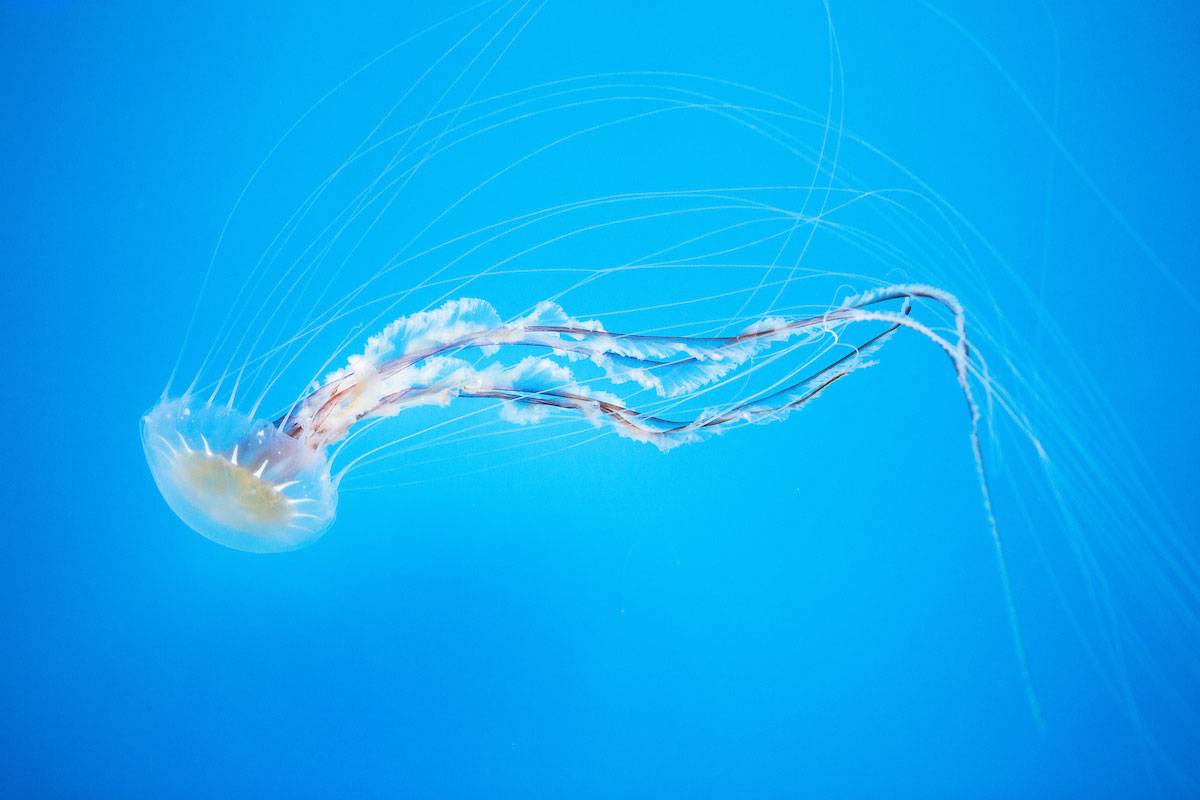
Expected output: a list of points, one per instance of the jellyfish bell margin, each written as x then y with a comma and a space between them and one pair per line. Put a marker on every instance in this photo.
237, 481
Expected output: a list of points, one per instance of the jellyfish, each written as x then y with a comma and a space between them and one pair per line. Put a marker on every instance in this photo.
483, 251
269, 485
738, 302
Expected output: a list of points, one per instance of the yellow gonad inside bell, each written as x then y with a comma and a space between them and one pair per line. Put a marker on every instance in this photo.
246, 499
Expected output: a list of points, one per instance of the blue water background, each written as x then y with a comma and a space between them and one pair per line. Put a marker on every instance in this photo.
805, 609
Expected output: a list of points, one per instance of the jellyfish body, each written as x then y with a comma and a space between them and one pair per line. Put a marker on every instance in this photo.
268, 485
238, 482
745, 234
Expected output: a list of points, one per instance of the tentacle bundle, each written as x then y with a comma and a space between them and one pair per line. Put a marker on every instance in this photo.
535, 363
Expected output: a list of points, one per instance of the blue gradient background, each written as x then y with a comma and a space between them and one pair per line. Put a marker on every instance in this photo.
830, 630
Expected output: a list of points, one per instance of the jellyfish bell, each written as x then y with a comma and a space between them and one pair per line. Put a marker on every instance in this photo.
238, 481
